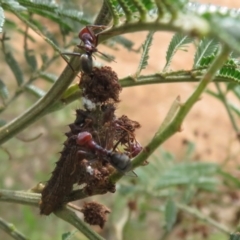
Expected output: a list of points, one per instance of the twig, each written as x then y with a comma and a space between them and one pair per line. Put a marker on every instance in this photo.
176, 123
33, 199
224, 101
187, 24
104, 17
11, 230
22, 197
196, 213
72, 218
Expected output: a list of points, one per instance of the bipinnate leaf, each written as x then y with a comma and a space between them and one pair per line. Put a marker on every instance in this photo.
2, 19
30, 58
15, 67
144, 58
206, 47
3, 90
37, 92
170, 214
49, 77
178, 42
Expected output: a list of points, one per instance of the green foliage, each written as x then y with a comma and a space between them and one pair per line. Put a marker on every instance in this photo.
167, 183
170, 214
178, 42
145, 50
15, 67
3, 90
2, 19
206, 47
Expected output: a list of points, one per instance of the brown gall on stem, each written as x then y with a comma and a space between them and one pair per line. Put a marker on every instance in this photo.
102, 86
95, 213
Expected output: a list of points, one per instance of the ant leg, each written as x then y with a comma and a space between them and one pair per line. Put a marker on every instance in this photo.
106, 56
62, 55
71, 54
93, 27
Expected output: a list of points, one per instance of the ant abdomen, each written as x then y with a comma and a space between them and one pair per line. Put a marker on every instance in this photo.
86, 63
120, 161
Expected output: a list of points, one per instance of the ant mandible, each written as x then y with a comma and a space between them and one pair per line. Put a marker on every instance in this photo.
120, 161
89, 42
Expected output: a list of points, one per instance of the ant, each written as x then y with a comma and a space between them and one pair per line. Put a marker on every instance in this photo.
120, 161
89, 42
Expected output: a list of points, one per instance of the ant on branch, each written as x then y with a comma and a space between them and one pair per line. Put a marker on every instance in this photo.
89, 42
120, 161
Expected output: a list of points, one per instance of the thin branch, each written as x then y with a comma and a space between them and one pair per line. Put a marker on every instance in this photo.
36, 30
72, 218
176, 123
11, 230
196, 213
129, 82
33, 199
222, 97
192, 25
104, 16
34, 113
22, 197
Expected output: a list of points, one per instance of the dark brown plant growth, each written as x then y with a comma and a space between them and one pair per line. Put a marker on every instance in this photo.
97, 144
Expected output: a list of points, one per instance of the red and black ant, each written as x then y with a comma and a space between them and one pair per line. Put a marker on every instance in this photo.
89, 42
120, 161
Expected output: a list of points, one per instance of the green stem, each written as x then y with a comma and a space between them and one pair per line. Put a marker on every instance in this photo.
104, 17
196, 213
72, 218
34, 113
27, 198
188, 24
33, 199
11, 230
175, 125
224, 101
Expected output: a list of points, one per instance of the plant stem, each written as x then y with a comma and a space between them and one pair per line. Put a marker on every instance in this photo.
72, 218
196, 213
11, 230
34, 113
194, 25
175, 125
104, 16
22, 197
223, 99
33, 199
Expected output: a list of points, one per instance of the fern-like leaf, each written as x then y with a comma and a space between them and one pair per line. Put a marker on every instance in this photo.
170, 214
3, 90
230, 73
178, 42
2, 19
144, 58
30, 58
49, 77
14, 5
128, 44
199, 174
35, 91
14, 66
206, 47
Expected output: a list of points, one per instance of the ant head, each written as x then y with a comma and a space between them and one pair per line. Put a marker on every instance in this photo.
88, 36
83, 138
